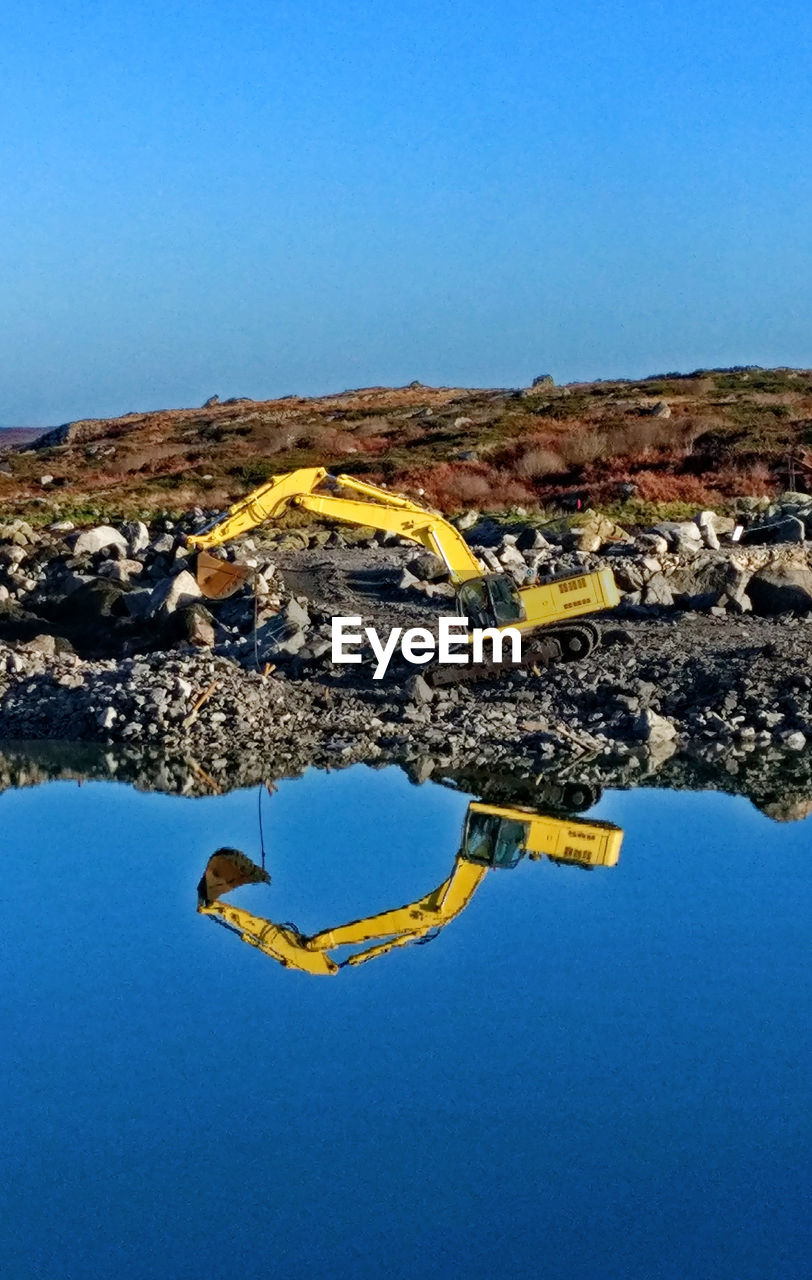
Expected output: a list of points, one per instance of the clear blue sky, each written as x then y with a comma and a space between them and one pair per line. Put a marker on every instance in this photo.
257, 198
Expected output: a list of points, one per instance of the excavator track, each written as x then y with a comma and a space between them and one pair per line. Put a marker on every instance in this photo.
571, 642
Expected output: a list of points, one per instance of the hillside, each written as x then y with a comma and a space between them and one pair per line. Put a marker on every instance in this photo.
699, 439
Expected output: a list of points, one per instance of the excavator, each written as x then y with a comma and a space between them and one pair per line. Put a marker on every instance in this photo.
493, 838
491, 600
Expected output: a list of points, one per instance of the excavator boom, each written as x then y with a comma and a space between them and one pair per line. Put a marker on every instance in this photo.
374, 507
485, 599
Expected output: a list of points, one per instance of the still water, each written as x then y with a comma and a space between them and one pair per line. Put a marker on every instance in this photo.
587, 1074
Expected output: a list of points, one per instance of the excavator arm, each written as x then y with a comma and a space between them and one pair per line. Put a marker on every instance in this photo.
372, 506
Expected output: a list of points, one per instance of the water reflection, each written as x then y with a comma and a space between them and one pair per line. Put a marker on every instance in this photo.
493, 838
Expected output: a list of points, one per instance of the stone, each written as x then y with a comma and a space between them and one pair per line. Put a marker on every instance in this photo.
651, 727
705, 522
407, 580
792, 739
164, 545
419, 690
296, 613
107, 718
102, 538
120, 570
657, 591
95, 600
469, 518
196, 626
46, 645
173, 593
780, 589
138, 602
511, 558
137, 535
653, 544
683, 536
787, 529
211, 402
46, 480
61, 526
427, 567
660, 410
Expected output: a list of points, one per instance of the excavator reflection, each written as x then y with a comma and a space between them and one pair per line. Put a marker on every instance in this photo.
493, 838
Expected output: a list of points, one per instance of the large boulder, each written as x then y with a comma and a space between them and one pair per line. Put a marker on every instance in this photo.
102, 538
683, 536
786, 528
781, 589
174, 593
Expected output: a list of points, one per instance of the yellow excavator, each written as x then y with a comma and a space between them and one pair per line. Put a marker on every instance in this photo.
485, 599
493, 837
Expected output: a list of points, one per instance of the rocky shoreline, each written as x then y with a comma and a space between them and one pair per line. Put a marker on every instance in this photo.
703, 678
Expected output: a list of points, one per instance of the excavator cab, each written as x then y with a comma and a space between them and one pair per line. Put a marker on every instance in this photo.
493, 600
492, 841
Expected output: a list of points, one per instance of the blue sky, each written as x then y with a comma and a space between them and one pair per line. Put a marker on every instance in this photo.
265, 198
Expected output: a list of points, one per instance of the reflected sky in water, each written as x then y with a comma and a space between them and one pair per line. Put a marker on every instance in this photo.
586, 1075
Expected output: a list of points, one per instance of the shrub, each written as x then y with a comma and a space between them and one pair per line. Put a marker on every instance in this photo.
538, 461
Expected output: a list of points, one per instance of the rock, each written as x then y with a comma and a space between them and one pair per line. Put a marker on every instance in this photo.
657, 591
792, 739
94, 600
102, 538
407, 581
419, 690
427, 566
107, 718
469, 518
137, 535
651, 727
211, 402
4, 595
120, 570
787, 529
736, 585
138, 602
683, 536
296, 613
705, 522
164, 545
61, 526
511, 558
595, 531
652, 543
543, 380
780, 589
44, 644
46, 480
195, 624
530, 539
173, 593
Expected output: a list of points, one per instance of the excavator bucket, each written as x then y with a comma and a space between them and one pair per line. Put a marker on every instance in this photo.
219, 579
227, 869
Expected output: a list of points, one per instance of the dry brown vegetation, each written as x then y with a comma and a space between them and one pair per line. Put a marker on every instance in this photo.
729, 433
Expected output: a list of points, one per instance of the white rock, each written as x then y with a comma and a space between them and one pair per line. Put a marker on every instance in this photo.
174, 593
99, 539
